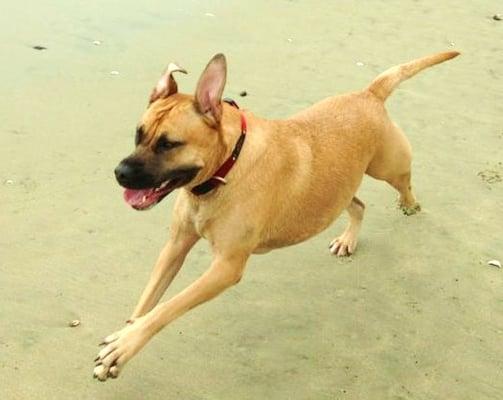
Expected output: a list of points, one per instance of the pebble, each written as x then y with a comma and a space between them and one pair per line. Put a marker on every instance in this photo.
9, 182
498, 17
209, 14
360, 64
114, 72
97, 43
244, 93
39, 48
74, 323
289, 40
494, 263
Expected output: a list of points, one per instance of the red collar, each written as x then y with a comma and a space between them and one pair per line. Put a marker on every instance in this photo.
218, 177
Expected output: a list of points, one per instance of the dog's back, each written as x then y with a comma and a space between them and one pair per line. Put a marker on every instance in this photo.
326, 149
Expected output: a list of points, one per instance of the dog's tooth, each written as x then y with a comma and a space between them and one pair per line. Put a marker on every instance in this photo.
144, 198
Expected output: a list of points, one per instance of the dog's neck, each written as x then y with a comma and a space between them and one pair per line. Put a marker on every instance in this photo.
229, 131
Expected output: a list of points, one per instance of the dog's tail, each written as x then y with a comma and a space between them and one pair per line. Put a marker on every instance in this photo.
385, 83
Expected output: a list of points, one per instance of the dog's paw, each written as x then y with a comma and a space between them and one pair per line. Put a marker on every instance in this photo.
410, 210
119, 348
344, 245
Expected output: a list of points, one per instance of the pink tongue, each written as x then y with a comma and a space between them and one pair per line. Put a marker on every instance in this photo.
135, 197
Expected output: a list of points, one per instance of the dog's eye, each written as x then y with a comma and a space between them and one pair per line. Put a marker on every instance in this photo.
163, 144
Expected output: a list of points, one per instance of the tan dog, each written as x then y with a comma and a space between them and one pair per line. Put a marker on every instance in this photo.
290, 181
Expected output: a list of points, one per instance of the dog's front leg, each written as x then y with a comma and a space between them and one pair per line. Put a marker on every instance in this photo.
167, 266
225, 271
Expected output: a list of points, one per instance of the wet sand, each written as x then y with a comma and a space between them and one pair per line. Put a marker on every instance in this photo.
416, 313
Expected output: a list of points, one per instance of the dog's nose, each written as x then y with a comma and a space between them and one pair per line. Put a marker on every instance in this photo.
128, 170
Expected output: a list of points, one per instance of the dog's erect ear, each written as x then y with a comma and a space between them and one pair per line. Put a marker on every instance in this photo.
166, 85
210, 88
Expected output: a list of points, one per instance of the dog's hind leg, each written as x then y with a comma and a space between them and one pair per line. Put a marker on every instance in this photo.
345, 244
407, 202
392, 163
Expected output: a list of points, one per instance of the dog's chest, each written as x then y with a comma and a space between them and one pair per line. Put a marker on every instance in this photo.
226, 226
202, 223
206, 219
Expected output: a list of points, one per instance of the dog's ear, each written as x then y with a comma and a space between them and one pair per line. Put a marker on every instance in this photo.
210, 88
166, 85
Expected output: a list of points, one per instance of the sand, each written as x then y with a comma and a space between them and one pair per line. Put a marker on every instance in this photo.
416, 314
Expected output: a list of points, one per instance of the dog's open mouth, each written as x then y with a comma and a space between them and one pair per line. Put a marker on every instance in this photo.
143, 199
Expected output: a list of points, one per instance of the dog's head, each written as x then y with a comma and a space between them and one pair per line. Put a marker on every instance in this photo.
178, 140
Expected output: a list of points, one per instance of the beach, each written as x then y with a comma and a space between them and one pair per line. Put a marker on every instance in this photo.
415, 313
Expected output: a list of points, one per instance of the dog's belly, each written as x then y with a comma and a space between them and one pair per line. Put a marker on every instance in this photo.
296, 225
306, 205
290, 238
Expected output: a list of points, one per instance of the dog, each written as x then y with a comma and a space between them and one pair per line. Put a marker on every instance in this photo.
249, 185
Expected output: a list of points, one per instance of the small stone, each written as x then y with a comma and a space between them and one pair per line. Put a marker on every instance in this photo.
494, 263
74, 323
114, 72
39, 48
360, 64
498, 17
289, 40
243, 93
208, 14
9, 182
97, 43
